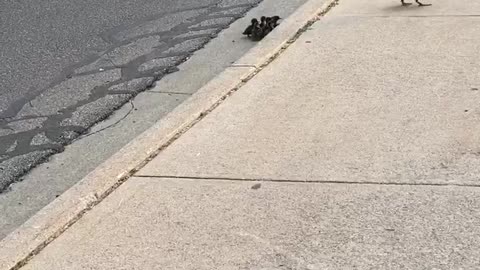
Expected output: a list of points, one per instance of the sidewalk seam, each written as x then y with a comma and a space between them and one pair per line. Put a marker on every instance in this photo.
273, 180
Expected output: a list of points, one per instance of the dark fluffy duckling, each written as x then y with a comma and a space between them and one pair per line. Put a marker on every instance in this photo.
268, 27
263, 21
258, 32
248, 31
274, 20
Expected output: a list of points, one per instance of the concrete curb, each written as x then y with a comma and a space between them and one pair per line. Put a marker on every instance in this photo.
29, 239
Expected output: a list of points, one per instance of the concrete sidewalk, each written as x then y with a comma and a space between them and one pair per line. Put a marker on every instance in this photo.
357, 148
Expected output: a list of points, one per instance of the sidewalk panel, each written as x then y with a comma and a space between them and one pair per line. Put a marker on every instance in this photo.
192, 224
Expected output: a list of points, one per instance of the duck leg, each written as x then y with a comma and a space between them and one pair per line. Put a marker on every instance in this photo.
421, 4
405, 4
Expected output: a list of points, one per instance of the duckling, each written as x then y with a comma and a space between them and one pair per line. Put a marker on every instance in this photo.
268, 27
263, 20
274, 20
258, 29
257, 33
418, 2
248, 31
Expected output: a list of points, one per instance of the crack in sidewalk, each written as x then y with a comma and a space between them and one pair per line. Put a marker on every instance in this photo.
132, 108
278, 180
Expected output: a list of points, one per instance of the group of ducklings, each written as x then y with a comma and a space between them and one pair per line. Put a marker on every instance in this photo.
258, 30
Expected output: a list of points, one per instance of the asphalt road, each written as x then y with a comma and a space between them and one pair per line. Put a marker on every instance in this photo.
65, 65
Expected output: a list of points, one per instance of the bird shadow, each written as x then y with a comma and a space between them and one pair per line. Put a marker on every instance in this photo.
398, 8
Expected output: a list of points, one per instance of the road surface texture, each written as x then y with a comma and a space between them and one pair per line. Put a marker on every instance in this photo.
68, 64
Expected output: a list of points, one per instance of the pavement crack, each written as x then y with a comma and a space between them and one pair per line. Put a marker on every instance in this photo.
278, 180
132, 108
28, 117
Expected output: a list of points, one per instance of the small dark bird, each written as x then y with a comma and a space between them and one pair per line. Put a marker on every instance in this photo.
418, 2
268, 27
263, 21
258, 32
274, 20
248, 31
